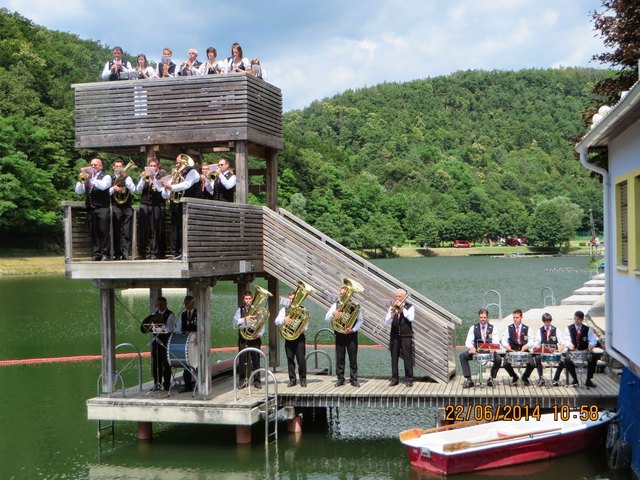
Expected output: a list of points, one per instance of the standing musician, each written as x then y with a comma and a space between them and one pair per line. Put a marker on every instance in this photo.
159, 359
213, 66
192, 65
122, 190
547, 337
249, 361
95, 188
481, 332
206, 186
581, 338
151, 213
515, 338
188, 322
295, 349
185, 179
166, 68
116, 68
346, 343
223, 186
400, 316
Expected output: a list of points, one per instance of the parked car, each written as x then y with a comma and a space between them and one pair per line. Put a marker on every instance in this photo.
461, 244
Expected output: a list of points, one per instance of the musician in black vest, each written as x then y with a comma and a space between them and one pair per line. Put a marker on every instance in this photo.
547, 337
579, 337
186, 183
151, 213
206, 184
117, 68
166, 68
295, 349
159, 359
95, 188
250, 361
400, 316
188, 322
481, 332
515, 338
122, 190
224, 186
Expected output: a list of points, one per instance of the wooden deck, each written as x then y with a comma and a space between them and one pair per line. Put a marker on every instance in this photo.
321, 392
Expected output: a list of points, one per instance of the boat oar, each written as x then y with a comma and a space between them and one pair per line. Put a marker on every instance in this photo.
455, 446
418, 432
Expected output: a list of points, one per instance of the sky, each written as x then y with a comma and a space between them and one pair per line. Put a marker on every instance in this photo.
313, 49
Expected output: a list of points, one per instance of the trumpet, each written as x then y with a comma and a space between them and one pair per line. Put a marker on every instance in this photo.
85, 173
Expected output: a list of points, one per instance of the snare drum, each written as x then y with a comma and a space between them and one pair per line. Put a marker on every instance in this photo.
555, 357
518, 359
578, 357
482, 357
182, 350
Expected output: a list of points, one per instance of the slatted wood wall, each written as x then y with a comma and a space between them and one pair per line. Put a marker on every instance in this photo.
204, 109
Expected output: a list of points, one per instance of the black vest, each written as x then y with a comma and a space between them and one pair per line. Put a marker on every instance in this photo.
116, 75
149, 194
196, 65
220, 192
477, 334
195, 190
400, 326
553, 336
189, 325
524, 336
172, 68
94, 197
581, 343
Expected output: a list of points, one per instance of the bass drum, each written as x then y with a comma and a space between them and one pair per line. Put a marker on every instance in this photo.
182, 350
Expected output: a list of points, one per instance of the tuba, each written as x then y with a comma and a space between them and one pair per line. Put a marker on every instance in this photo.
122, 197
349, 309
297, 313
252, 331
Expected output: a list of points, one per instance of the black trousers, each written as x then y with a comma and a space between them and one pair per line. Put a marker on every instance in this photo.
122, 216
465, 357
176, 228
250, 361
98, 219
160, 362
295, 350
150, 230
402, 345
347, 344
592, 363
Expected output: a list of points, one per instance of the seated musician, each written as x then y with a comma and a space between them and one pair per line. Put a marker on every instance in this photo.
579, 337
548, 339
188, 322
515, 338
481, 332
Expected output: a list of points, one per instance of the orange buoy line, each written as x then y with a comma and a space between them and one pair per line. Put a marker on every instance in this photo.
86, 358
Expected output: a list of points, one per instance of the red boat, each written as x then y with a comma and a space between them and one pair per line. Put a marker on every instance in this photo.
481, 446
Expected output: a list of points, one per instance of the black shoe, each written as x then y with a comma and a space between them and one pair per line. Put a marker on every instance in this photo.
490, 382
468, 383
589, 383
354, 383
555, 383
409, 383
96, 258
292, 383
303, 383
105, 258
166, 387
339, 383
186, 389
514, 380
525, 382
541, 382
257, 385
393, 383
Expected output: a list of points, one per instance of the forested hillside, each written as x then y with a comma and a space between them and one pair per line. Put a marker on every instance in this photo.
471, 155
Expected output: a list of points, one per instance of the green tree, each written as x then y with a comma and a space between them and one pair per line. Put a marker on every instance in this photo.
554, 222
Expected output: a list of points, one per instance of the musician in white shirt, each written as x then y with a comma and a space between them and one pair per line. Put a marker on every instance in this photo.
117, 68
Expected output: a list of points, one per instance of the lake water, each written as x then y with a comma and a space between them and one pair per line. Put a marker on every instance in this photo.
44, 432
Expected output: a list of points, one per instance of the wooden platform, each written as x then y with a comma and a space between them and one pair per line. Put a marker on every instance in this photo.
321, 392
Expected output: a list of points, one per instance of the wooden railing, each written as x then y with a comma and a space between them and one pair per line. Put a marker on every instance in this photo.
198, 110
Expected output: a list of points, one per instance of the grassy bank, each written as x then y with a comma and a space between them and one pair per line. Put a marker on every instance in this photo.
30, 262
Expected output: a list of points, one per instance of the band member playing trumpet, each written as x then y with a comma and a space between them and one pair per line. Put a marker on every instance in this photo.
206, 176
95, 188
400, 316
116, 68
223, 185
249, 361
481, 332
151, 213
294, 348
122, 190
185, 179
347, 341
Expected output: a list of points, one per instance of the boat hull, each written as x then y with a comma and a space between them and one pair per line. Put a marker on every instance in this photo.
530, 450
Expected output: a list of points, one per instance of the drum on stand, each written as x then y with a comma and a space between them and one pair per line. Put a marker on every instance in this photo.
182, 350
553, 358
518, 359
578, 357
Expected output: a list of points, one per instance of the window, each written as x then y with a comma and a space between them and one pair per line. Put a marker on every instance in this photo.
623, 224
